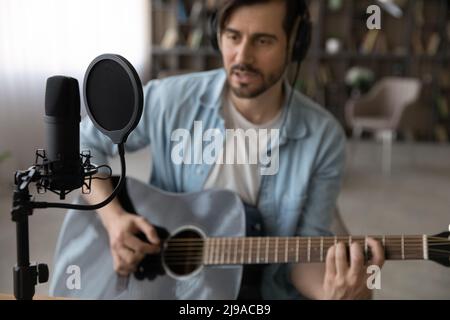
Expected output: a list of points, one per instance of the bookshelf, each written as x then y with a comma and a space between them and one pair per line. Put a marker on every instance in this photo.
180, 41
417, 44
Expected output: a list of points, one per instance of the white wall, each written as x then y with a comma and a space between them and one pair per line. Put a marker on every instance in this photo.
39, 39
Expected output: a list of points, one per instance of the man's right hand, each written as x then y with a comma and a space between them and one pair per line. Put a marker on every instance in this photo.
123, 227
126, 248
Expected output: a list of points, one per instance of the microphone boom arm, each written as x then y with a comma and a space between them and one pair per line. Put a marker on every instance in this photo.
26, 274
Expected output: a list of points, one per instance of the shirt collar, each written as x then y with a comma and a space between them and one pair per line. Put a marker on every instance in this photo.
294, 125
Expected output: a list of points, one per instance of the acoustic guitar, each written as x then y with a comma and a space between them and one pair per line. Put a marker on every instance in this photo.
203, 251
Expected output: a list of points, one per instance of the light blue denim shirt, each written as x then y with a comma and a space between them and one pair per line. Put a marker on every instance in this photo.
298, 201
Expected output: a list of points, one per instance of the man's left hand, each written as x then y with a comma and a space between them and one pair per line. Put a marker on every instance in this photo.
346, 277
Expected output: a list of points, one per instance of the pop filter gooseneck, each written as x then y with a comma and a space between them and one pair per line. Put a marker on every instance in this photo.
114, 102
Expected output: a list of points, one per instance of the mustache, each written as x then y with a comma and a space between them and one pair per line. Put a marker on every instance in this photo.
244, 68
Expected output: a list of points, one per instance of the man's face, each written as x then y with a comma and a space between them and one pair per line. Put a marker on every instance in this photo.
253, 45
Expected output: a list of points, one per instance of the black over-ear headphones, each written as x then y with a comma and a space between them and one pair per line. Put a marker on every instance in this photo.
301, 37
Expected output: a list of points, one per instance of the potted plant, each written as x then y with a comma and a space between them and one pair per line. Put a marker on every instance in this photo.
359, 80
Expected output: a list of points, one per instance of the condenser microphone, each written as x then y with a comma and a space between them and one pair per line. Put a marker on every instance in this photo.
62, 121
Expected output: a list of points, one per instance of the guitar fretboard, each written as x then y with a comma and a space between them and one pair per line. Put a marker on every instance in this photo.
269, 250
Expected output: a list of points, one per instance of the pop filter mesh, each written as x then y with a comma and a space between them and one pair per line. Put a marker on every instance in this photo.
110, 95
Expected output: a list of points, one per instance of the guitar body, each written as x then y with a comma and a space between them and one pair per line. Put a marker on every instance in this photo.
83, 246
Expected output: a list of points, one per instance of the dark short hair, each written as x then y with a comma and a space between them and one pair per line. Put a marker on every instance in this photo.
294, 9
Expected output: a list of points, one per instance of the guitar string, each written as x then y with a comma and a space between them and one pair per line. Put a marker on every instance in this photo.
282, 248
200, 261
200, 258
227, 254
304, 243
406, 241
176, 258
420, 238
254, 253
289, 247
291, 243
315, 239
227, 250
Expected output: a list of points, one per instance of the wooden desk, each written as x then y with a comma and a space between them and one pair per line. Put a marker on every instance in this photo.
4, 296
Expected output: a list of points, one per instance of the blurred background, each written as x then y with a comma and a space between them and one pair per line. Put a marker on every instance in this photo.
389, 88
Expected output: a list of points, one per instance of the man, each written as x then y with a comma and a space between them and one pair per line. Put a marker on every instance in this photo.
249, 93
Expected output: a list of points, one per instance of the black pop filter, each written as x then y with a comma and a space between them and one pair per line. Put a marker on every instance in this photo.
113, 96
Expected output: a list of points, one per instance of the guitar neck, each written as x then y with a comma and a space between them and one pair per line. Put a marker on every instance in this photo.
272, 250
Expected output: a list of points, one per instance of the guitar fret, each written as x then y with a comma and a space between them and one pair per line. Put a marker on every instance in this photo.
216, 251
225, 251
296, 249
276, 250
267, 250
258, 248
230, 251
205, 251
242, 250
222, 256
250, 251
365, 246
286, 249
235, 250
425, 247
321, 249
211, 252
208, 250
403, 247
309, 249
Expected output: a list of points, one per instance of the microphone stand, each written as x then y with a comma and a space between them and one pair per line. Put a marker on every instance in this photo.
27, 275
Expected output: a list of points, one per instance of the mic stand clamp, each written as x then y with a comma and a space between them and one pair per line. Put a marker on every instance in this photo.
26, 274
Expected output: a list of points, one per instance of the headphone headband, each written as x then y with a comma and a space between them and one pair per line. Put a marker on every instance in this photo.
300, 37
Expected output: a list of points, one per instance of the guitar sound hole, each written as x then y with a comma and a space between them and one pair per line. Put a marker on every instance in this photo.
183, 253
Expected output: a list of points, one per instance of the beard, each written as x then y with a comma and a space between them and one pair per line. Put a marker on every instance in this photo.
249, 91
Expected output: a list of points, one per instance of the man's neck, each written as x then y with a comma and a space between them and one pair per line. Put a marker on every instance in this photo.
263, 108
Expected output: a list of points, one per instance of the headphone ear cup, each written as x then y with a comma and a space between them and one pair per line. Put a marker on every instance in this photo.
212, 32
302, 41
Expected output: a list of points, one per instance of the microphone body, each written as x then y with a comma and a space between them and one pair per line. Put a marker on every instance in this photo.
62, 120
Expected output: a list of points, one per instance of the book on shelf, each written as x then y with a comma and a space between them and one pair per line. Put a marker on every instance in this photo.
369, 41
418, 13
161, 19
170, 38
314, 10
417, 43
444, 79
381, 44
374, 41
182, 15
324, 74
441, 133
196, 12
433, 44
448, 31
195, 38
443, 107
